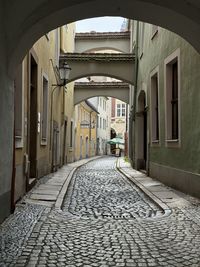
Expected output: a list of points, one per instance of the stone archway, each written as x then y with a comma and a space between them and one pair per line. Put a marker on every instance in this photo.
27, 22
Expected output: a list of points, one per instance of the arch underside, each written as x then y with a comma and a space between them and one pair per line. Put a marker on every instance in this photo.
121, 70
118, 45
81, 94
27, 21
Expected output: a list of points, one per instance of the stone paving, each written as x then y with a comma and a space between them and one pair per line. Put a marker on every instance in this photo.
99, 190
80, 235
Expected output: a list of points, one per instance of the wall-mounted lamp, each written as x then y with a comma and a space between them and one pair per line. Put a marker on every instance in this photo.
64, 71
61, 73
62, 77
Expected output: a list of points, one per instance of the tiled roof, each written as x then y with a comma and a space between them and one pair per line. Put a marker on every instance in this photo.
102, 35
101, 84
97, 56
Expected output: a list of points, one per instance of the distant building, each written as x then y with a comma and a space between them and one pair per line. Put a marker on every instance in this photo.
85, 138
118, 117
103, 123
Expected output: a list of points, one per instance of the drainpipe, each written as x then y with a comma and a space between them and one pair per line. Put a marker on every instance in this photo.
90, 134
13, 175
51, 129
135, 90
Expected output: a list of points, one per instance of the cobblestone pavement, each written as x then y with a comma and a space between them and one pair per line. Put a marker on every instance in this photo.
82, 236
99, 190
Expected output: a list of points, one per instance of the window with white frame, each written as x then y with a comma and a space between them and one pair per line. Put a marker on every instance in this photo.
172, 94
44, 108
121, 110
118, 110
104, 124
154, 96
19, 106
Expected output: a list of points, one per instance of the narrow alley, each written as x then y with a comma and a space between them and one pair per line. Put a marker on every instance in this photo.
104, 219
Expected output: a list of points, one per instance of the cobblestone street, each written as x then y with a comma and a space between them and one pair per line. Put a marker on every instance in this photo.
105, 220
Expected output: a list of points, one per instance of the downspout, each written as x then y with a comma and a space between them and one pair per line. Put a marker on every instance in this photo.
135, 91
51, 129
90, 134
13, 175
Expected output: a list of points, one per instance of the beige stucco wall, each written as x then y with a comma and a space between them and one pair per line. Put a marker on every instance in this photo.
46, 54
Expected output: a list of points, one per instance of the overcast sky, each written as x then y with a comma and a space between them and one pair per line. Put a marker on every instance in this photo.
102, 24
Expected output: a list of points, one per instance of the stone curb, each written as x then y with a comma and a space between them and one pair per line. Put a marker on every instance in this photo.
167, 211
61, 195
63, 191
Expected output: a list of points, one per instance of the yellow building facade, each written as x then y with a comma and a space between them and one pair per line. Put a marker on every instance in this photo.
85, 130
43, 112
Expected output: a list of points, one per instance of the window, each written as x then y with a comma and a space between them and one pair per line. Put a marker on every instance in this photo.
19, 106
174, 101
104, 124
44, 109
105, 105
118, 110
154, 107
172, 94
123, 110
100, 124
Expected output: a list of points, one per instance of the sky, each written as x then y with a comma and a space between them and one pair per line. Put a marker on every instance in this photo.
102, 24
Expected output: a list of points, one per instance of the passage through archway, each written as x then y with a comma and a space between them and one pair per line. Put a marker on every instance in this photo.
44, 17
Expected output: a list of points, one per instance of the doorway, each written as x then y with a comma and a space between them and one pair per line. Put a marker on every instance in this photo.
142, 143
33, 119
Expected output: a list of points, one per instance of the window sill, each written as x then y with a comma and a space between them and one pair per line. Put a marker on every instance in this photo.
155, 141
43, 142
18, 142
173, 143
